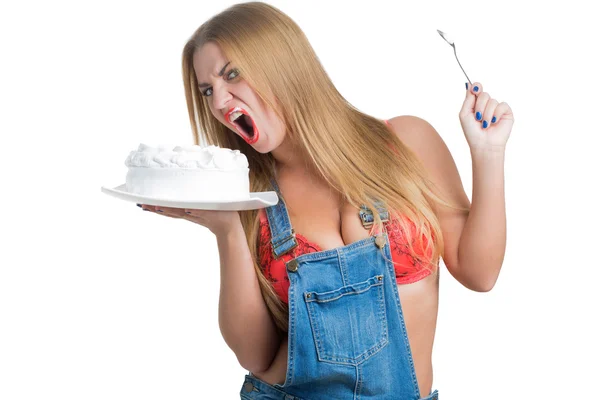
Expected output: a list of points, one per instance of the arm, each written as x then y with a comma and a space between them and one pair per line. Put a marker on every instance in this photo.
244, 319
474, 242
483, 240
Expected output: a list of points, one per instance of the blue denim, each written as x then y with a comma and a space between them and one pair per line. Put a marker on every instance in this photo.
347, 337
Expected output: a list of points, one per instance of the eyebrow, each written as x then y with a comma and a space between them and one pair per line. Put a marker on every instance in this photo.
201, 85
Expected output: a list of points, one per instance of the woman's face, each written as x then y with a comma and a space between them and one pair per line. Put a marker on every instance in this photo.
226, 93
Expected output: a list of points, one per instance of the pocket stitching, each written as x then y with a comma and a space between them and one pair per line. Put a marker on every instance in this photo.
327, 296
382, 320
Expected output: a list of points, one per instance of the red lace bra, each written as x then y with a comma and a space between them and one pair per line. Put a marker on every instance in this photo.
408, 269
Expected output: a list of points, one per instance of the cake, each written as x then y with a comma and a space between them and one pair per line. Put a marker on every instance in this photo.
188, 173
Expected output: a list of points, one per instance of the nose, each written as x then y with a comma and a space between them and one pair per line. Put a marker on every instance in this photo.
221, 96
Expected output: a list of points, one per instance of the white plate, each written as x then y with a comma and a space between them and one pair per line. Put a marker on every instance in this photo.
257, 200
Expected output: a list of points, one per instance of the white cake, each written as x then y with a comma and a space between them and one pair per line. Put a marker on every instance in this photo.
188, 173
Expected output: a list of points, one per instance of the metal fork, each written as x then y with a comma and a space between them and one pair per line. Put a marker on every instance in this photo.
451, 43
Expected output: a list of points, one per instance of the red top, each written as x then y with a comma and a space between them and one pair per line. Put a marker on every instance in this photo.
408, 269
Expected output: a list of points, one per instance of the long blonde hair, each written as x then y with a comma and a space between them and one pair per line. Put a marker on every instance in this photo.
358, 155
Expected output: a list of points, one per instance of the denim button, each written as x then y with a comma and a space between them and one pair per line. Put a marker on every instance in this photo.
292, 265
248, 387
380, 241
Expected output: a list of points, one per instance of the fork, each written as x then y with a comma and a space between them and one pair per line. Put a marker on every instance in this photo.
451, 43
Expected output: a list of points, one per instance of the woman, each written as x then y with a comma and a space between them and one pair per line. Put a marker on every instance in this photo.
347, 308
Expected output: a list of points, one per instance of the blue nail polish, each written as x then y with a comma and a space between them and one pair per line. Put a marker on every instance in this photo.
493, 120
139, 205
485, 124
159, 210
466, 85
478, 116
476, 89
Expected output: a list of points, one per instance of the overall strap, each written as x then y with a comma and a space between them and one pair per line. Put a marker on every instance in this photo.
283, 237
366, 215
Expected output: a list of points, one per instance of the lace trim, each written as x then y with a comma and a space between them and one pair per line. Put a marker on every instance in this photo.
408, 268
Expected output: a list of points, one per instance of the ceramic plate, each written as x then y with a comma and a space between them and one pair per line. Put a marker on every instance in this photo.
257, 200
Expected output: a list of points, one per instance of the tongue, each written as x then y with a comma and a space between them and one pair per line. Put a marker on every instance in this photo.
248, 121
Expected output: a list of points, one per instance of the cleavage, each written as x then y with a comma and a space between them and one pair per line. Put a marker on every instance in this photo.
321, 220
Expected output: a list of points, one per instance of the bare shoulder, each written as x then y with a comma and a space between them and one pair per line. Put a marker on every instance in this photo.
421, 137
427, 144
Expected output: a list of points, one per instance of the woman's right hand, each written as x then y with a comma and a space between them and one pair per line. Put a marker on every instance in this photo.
218, 222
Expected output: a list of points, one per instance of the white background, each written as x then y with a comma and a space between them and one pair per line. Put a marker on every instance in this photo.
101, 300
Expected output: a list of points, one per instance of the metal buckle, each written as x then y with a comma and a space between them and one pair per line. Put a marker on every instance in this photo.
283, 240
287, 237
364, 212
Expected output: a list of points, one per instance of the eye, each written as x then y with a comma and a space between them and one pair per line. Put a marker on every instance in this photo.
234, 73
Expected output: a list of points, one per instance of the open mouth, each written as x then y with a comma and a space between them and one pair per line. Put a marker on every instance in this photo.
244, 124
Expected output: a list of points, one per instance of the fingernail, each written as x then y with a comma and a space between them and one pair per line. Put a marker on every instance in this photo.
187, 212
476, 89
139, 205
485, 124
493, 120
159, 210
478, 116
466, 85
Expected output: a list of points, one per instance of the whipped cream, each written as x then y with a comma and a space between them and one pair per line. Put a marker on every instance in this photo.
190, 157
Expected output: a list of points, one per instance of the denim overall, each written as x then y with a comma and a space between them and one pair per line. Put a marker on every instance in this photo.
347, 338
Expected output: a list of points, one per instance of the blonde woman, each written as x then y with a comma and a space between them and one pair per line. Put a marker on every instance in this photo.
333, 292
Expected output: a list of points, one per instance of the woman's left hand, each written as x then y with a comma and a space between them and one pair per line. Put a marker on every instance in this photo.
491, 130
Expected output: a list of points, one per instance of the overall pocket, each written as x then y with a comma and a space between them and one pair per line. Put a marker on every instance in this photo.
349, 324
